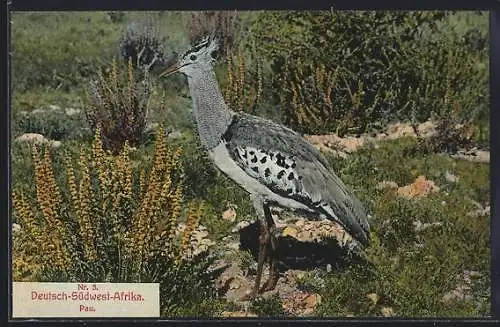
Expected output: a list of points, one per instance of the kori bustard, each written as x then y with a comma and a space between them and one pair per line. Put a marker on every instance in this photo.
274, 164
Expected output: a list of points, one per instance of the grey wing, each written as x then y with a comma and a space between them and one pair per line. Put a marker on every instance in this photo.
291, 167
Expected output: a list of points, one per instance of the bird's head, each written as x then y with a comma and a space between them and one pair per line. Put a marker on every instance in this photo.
196, 58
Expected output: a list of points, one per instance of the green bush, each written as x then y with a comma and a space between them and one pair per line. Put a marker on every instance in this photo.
378, 67
190, 290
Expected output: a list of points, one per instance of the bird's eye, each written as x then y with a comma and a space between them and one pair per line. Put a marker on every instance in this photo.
193, 57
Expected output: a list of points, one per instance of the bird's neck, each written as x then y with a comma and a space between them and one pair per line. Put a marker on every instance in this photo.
210, 110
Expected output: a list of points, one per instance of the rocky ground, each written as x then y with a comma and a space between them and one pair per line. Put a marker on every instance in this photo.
342, 146
305, 246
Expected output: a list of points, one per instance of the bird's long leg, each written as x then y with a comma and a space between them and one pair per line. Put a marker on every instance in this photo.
271, 282
263, 241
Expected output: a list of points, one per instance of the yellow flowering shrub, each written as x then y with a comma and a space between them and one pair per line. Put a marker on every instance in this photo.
112, 223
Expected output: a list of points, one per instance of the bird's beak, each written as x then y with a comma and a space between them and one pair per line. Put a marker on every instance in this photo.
171, 69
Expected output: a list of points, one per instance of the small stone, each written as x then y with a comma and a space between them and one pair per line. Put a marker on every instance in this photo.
54, 107
229, 215
308, 226
174, 135
38, 111
387, 312
207, 242
480, 156
241, 225
386, 184
324, 223
373, 297
151, 127
400, 130
450, 177
427, 129
56, 144
421, 187
311, 301
235, 284
218, 265
475, 274
307, 312
233, 245
461, 292
72, 111
201, 234
16, 228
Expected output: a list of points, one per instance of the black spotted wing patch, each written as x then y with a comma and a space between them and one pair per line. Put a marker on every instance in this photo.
274, 169
289, 166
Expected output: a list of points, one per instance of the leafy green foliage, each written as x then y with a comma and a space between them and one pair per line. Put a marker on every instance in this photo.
378, 67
